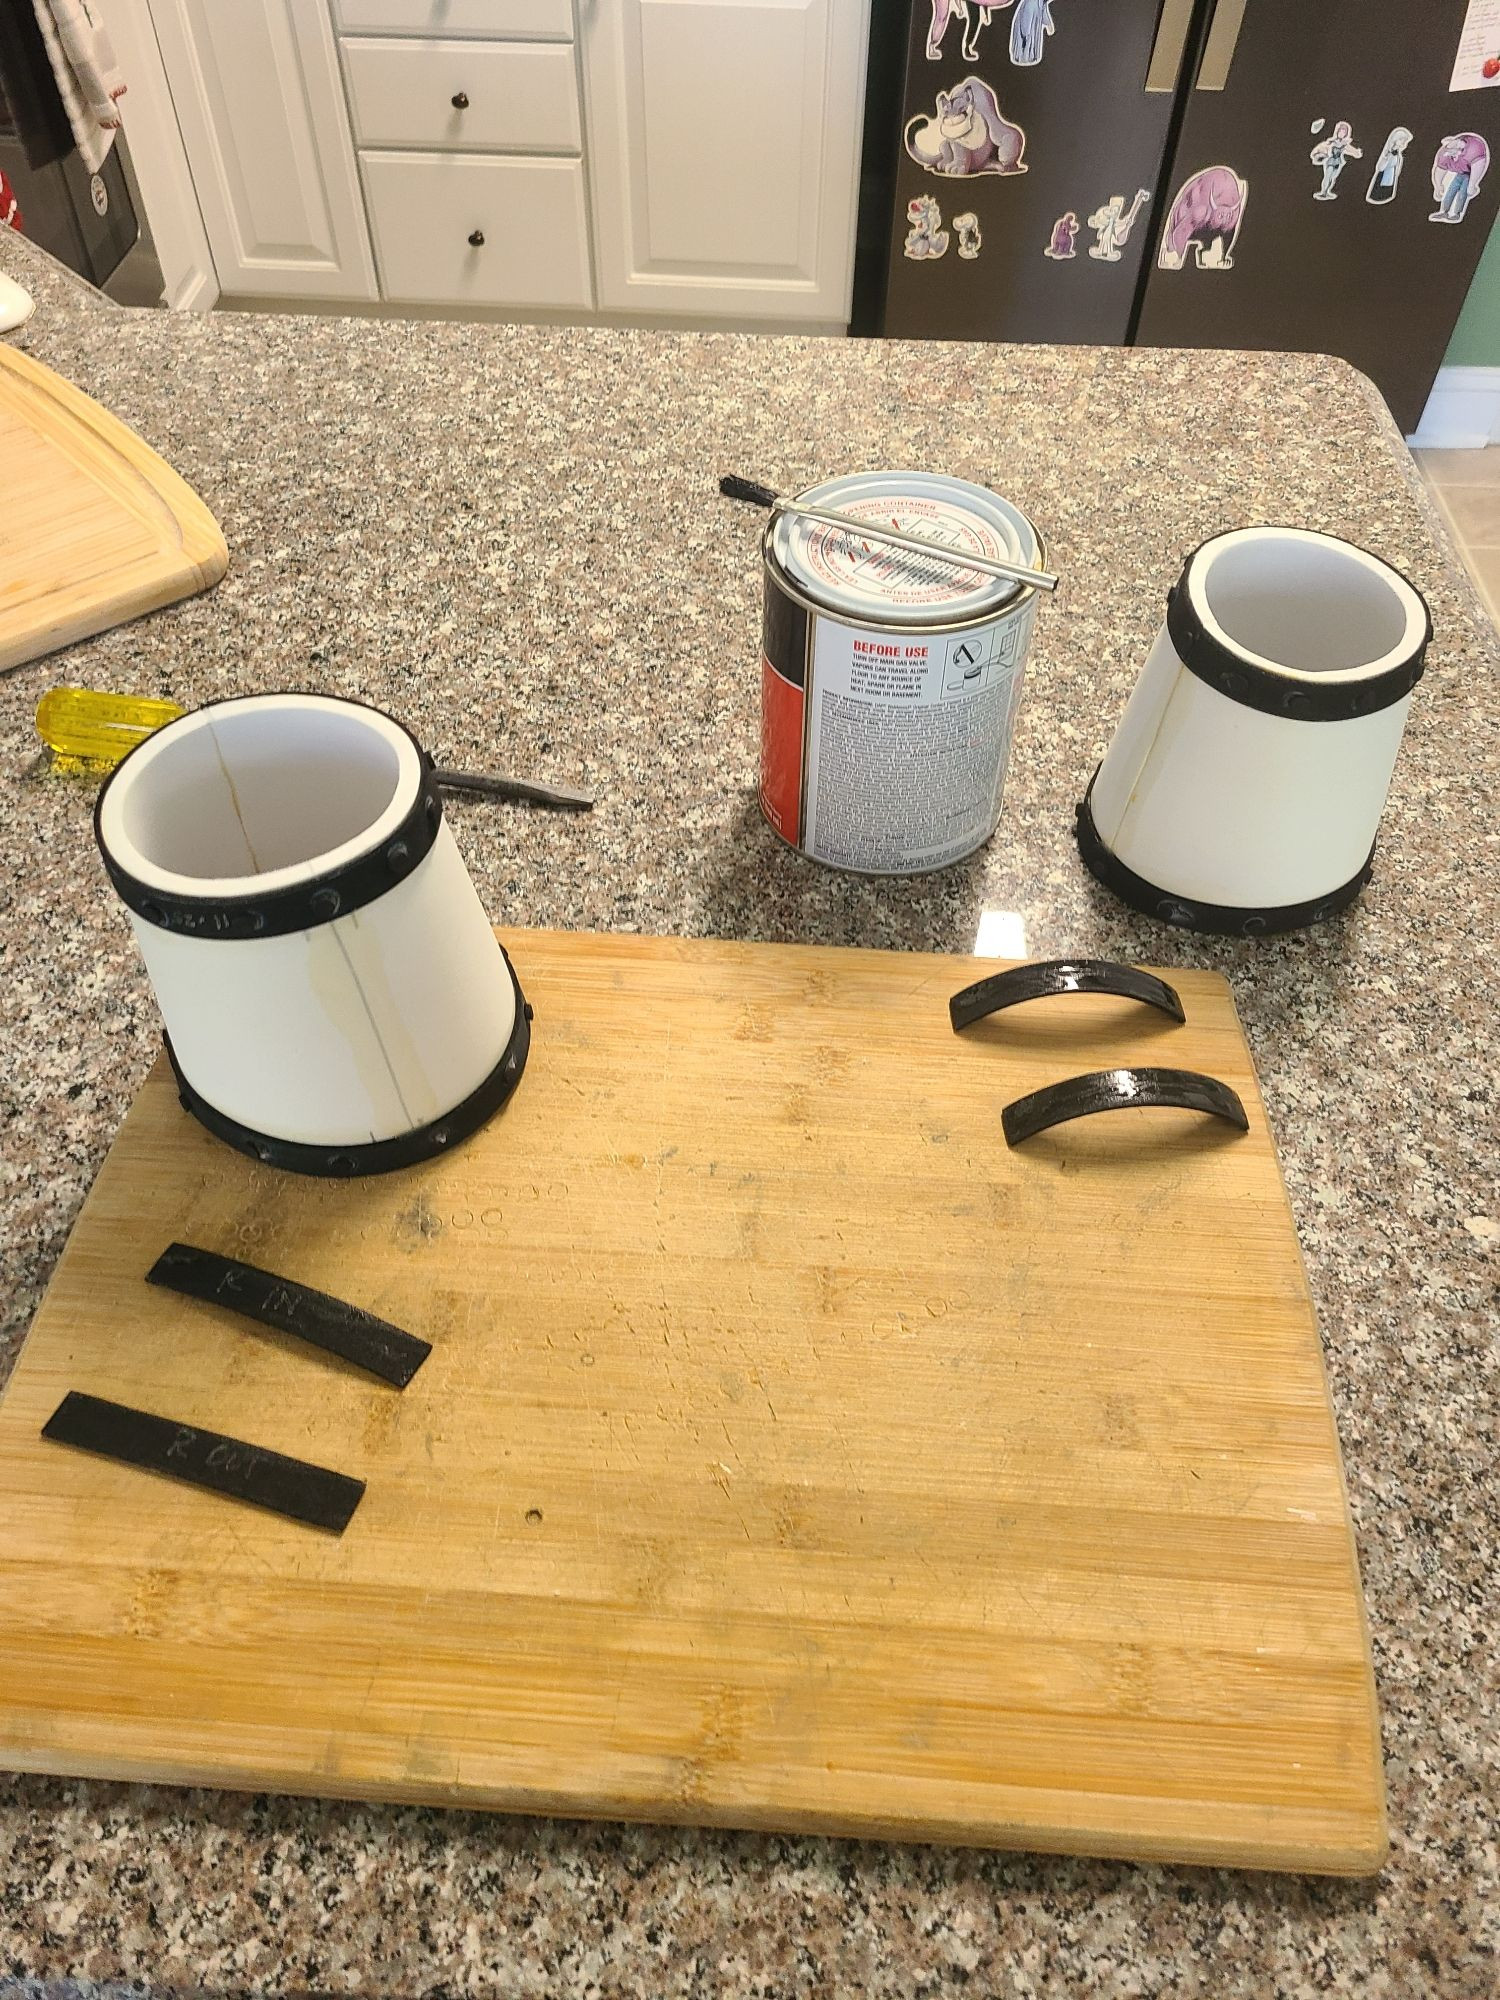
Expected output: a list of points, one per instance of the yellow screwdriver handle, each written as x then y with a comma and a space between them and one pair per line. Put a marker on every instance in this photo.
82, 727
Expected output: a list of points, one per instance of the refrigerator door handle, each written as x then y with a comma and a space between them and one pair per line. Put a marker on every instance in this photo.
1223, 40
1167, 51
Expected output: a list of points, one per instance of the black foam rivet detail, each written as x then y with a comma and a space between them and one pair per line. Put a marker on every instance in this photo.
325, 902
398, 857
1232, 684
153, 913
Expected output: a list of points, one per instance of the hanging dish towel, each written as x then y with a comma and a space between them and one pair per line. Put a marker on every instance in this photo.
87, 79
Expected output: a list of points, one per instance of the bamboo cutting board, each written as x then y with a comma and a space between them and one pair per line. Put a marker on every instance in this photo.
791, 1454
98, 529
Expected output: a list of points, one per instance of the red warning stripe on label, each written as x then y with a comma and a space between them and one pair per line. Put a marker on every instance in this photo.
780, 752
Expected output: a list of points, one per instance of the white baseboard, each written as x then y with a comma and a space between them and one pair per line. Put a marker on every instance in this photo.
1463, 411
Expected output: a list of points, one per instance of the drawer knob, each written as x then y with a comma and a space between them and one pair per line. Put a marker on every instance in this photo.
476, 237
460, 100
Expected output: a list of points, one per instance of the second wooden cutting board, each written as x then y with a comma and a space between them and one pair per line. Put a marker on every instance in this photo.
98, 527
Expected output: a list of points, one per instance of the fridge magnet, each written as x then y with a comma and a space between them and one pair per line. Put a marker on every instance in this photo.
970, 241
1477, 64
10, 208
1316, 126
1387, 175
1205, 218
1064, 236
1029, 26
968, 134
1458, 167
944, 11
1113, 223
926, 236
1332, 154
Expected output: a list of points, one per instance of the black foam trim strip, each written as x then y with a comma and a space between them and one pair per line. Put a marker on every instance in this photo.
1217, 919
1120, 1090
378, 1156
316, 1317
227, 1465
337, 892
1044, 978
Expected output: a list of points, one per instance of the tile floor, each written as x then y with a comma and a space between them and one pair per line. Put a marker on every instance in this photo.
1466, 486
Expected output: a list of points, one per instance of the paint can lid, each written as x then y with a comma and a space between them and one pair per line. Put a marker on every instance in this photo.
864, 579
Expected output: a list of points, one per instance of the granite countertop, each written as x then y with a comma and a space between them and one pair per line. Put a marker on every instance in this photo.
509, 536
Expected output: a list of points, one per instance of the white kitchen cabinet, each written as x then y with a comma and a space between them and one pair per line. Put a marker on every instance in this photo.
694, 158
723, 141
260, 103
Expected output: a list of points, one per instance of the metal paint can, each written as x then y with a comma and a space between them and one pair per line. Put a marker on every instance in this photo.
890, 682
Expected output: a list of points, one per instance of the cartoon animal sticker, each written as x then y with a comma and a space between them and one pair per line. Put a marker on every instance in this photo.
927, 236
1458, 167
1064, 236
944, 11
1029, 26
1205, 218
1331, 154
968, 134
1387, 175
969, 239
1113, 223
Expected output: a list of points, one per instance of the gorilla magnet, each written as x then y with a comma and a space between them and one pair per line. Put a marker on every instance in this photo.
968, 134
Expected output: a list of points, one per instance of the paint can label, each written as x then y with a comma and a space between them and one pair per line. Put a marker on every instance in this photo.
884, 740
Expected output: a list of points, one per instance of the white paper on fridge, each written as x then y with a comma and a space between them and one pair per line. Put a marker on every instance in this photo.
1477, 64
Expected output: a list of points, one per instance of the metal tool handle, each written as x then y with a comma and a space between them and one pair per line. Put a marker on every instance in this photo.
1120, 1090
1050, 976
870, 531
513, 788
1219, 49
1170, 46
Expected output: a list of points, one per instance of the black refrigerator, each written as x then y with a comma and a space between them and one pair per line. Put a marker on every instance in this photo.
1296, 174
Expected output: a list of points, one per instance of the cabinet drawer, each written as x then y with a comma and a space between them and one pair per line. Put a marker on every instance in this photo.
424, 207
491, 20
492, 97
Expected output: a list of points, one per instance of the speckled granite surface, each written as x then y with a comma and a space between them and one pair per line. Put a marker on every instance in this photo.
510, 538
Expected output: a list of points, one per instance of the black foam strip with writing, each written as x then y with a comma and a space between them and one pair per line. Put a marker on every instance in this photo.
289, 1486
348, 1331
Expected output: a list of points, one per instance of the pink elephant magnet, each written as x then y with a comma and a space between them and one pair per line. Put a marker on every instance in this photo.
1205, 218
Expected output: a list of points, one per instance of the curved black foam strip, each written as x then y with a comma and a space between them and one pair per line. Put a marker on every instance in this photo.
376, 1156
316, 1317
289, 1486
1218, 919
1049, 976
1120, 1090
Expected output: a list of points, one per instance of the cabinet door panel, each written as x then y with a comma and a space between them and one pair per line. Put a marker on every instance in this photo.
258, 98
724, 140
